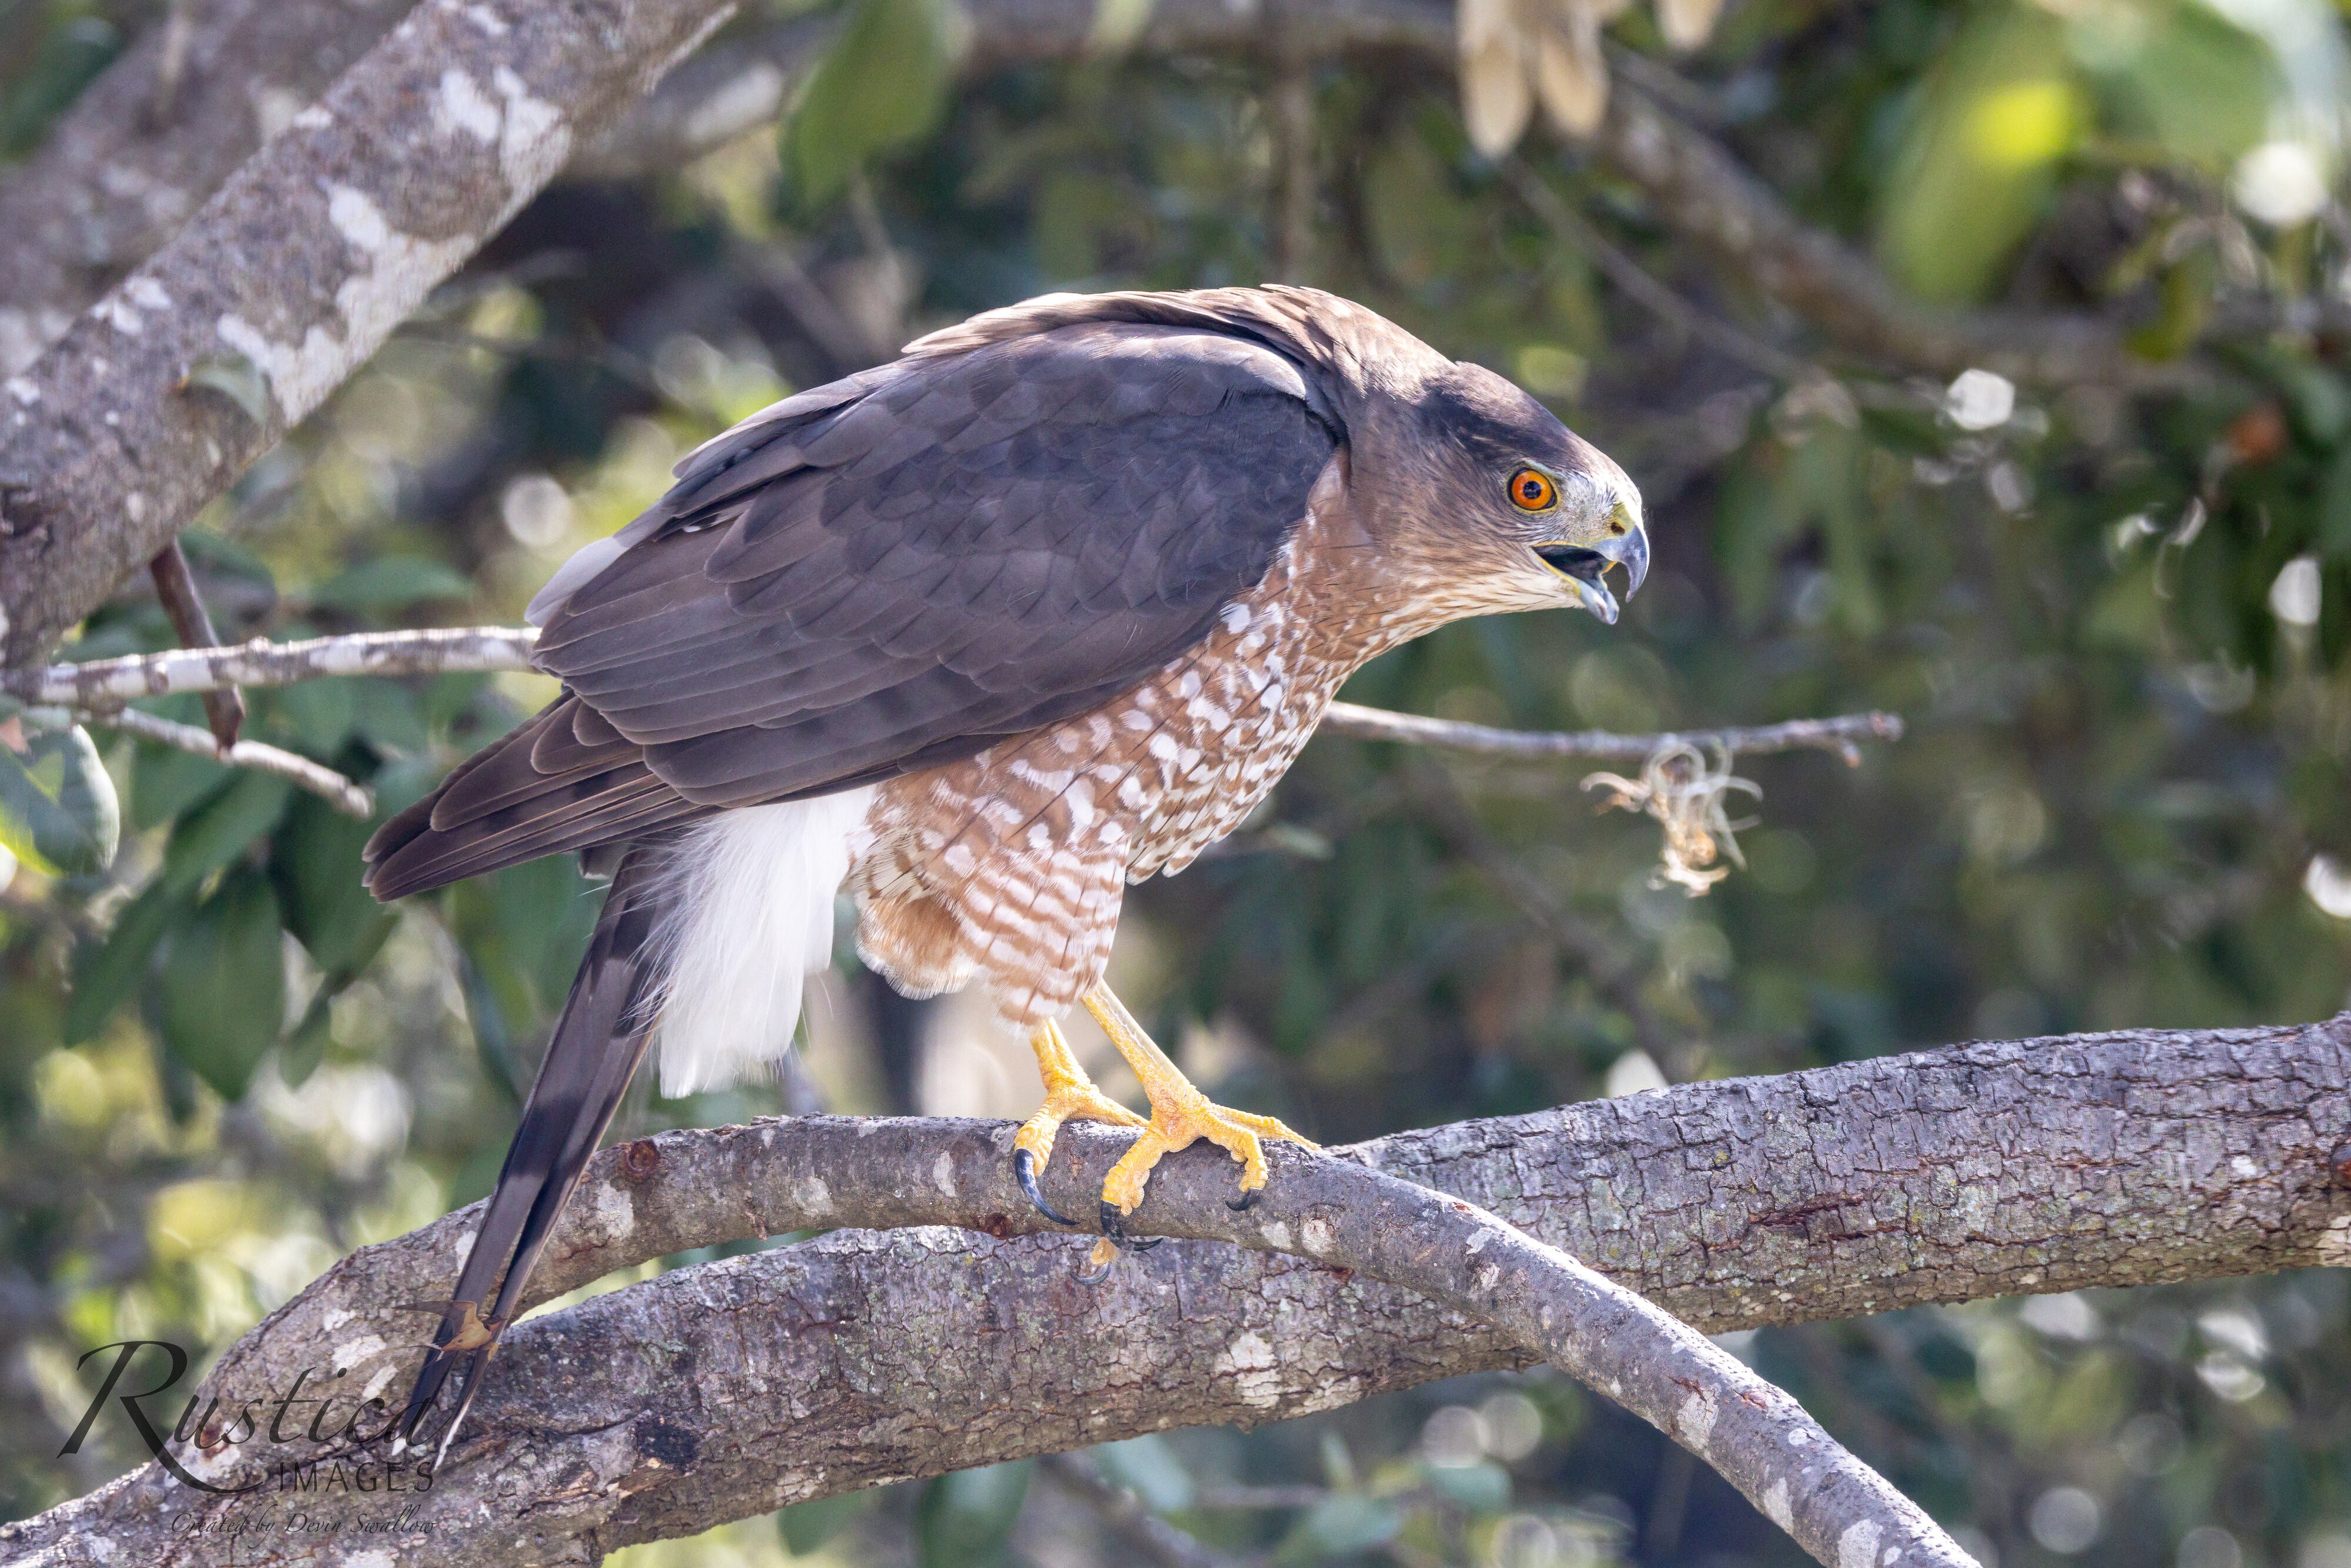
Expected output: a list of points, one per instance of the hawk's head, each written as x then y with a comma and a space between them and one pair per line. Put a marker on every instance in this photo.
1507, 495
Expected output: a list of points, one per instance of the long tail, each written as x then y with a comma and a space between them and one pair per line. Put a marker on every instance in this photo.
598, 1042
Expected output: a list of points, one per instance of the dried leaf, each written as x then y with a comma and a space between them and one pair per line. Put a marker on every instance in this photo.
1570, 76
1495, 102
1687, 24
1686, 797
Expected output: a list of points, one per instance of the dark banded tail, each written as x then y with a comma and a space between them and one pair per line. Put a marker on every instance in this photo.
598, 1042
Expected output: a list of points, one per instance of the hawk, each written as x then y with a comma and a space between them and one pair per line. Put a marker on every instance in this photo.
1039, 608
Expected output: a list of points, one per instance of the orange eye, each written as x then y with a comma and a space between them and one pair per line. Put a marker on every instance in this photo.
1532, 491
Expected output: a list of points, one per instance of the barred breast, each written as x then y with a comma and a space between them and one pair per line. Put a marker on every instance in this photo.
1009, 868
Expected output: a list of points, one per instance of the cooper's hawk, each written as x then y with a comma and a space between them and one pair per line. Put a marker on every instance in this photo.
1041, 608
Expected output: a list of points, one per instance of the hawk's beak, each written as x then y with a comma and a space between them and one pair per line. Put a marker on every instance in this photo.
1584, 570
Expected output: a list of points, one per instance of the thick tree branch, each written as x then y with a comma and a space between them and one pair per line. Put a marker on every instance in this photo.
718, 1392
151, 139
291, 275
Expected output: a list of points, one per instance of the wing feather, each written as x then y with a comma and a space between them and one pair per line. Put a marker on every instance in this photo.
891, 572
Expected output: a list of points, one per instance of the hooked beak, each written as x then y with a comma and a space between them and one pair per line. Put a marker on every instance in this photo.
1585, 569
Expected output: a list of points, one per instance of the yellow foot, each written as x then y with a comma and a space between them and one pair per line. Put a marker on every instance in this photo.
1069, 1096
1180, 1115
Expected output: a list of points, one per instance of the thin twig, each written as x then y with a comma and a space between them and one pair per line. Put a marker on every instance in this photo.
1649, 292
1837, 735
352, 800
1129, 1517
104, 683
176, 587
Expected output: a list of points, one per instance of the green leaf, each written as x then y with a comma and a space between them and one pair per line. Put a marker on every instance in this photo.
314, 859
2334, 509
805, 1526
221, 1001
1148, 1468
882, 86
386, 711
1341, 1526
524, 928
223, 828
166, 782
389, 583
110, 971
236, 378
306, 1043
322, 713
964, 1519
1978, 161
57, 807
1481, 1488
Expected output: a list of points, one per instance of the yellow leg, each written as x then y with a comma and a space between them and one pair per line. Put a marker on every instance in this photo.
1069, 1096
1180, 1115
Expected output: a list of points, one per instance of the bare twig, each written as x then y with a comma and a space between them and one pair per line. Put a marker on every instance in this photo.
224, 710
860, 1359
107, 682
351, 799
1129, 1517
1838, 735
1651, 293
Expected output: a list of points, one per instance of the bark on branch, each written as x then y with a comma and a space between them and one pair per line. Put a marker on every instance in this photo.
862, 1357
290, 278
150, 139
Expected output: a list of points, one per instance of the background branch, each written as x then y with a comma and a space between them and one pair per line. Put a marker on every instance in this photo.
351, 799
291, 275
108, 682
859, 1359
107, 453
150, 139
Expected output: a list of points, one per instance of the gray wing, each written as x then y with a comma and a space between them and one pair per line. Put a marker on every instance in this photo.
889, 574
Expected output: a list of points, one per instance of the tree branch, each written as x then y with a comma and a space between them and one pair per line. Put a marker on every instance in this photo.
348, 798
104, 683
859, 1359
151, 139
292, 274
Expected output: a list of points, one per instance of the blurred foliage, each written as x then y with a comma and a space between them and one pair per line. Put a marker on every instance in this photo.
2117, 623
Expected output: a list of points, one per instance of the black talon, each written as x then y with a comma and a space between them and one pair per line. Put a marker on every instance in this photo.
1024, 1171
1244, 1202
1099, 1275
1113, 1226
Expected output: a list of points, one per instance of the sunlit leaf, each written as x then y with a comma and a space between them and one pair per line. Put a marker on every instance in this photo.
1978, 161
881, 86
57, 807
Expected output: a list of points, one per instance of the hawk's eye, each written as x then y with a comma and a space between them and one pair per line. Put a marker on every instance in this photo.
1531, 490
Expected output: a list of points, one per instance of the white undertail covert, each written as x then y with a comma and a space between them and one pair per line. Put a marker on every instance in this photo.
754, 890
